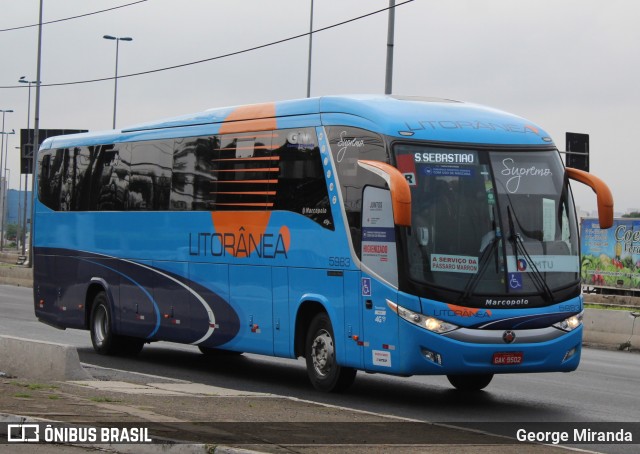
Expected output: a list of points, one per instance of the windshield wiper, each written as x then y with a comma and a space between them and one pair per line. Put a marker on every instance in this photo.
485, 258
518, 244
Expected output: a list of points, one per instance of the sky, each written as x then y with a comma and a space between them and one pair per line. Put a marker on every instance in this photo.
566, 65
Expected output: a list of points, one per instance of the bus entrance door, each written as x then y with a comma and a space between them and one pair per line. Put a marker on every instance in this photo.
380, 278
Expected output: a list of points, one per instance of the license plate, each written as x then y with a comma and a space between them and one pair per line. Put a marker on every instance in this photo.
507, 359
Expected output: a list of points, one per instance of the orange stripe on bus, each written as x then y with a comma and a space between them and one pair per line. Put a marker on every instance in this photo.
253, 222
254, 147
248, 136
245, 193
255, 117
263, 169
245, 204
262, 158
246, 181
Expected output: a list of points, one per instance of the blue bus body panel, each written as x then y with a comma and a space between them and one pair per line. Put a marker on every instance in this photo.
419, 118
189, 277
461, 358
152, 272
439, 120
398, 347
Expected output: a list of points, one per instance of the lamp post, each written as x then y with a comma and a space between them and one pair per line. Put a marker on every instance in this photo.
3, 184
19, 231
29, 149
115, 91
4, 202
310, 48
4, 112
36, 132
388, 80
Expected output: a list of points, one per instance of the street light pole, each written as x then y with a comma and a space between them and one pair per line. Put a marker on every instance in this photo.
115, 79
6, 197
29, 148
4, 185
36, 135
388, 81
310, 47
4, 112
18, 232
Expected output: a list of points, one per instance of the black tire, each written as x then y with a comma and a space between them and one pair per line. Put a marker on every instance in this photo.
471, 382
104, 340
323, 371
209, 351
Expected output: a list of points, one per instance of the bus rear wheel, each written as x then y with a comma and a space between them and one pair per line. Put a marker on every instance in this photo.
324, 372
470, 382
104, 340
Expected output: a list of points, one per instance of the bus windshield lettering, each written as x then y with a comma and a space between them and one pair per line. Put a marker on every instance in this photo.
458, 214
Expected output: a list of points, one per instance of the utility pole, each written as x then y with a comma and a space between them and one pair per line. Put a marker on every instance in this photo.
388, 82
310, 46
36, 136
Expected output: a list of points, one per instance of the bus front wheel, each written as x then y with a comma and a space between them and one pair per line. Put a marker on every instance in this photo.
104, 340
471, 382
324, 372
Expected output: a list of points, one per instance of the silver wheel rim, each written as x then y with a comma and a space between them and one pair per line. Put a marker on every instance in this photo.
322, 353
100, 322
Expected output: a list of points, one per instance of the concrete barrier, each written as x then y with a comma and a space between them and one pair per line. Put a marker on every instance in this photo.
612, 329
11, 274
26, 358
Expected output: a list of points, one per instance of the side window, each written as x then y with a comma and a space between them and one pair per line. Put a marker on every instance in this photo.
44, 180
194, 179
301, 185
49, 178
245, 172
90, 178
111, 179
82, 167
77, 188
151, 170
92, 189
348, 145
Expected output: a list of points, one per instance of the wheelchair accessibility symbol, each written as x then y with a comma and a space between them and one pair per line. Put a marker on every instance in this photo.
366, 286
515, 281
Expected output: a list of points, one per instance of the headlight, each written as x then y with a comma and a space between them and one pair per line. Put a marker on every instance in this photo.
571, 323
429, 323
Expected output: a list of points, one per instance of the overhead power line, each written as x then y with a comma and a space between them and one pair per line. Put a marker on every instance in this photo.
219, 57
72, 17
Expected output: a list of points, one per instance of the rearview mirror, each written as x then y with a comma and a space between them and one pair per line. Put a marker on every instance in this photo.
400, 191
603, 194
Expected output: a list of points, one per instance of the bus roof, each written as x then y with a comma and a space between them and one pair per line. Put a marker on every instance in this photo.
432, 119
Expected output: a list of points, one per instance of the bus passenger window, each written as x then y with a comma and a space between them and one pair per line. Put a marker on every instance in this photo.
193, 179
244, 172
301, 186
151, 169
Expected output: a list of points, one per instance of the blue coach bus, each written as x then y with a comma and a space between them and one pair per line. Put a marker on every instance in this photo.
387, 234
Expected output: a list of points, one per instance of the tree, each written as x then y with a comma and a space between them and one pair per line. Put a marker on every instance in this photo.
11, 232
633, 214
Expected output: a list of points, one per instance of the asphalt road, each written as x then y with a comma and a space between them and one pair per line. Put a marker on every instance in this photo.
605, 388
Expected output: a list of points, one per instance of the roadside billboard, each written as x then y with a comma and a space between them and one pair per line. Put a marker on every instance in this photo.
611, 257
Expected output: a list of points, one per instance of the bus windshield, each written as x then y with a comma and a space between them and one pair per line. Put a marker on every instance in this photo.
490, 225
